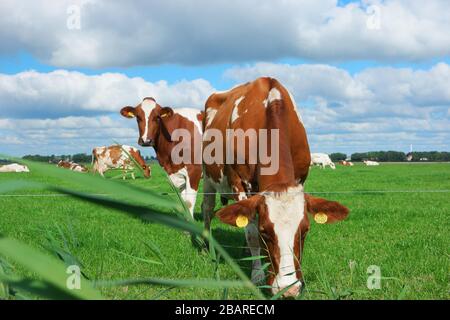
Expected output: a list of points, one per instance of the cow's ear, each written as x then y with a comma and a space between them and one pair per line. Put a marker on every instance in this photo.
325, 211
128, 112
166, 112
239, 213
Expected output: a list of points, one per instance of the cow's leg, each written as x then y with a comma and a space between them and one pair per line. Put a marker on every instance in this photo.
208, 204
132, 175
180, 180
124, 172
252, 236
189, 196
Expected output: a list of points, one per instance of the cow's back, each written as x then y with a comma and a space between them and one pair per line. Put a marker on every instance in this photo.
245, 107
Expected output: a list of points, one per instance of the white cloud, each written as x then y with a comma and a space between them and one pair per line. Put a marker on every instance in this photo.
61, 93
373, 109
125, 33
377, 108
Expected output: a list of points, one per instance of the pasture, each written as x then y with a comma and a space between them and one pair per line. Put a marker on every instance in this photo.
406, 234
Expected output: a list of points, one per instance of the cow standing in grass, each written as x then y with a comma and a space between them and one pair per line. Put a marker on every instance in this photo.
156, 126
117, 156
270, 203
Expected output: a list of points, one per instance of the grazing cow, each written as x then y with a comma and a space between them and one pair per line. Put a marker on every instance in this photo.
72, 166
346, 163
371, 163
117, 156
14, 167
270, 203
157, 128
322, 160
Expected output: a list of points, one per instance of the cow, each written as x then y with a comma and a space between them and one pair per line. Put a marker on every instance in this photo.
371, 163
270, 204
118, 156
14, 167
157, 126
346, 163
322, 160
72, 166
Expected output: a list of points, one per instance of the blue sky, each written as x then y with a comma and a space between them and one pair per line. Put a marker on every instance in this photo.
366, 75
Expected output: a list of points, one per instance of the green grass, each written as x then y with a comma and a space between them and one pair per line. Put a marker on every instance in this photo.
405, 234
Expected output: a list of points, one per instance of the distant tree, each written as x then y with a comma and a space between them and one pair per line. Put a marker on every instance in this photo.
383, 156
335, 157
81, 158
359, 156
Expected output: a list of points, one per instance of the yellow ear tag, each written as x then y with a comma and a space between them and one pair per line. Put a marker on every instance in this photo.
320, 218
164, 115
241, 221
131, 114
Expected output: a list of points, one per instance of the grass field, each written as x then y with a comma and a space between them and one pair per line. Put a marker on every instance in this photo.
406, 234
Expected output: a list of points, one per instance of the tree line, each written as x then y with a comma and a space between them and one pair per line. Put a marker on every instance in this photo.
382, 156
394, 156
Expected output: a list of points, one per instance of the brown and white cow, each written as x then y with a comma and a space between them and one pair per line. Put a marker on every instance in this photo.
156, 126
274, 204
13, 167
72, 166
346, 163
117, 156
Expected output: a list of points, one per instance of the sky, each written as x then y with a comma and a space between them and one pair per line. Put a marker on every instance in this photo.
366, 75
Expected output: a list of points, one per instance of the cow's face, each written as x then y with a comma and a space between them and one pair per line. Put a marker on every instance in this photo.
145, 118
150, 118
283, 225
146, 169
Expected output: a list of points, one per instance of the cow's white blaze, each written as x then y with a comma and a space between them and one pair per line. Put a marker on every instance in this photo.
286, 211
147, 106
210, 114
190, 114
234, 115
274, 94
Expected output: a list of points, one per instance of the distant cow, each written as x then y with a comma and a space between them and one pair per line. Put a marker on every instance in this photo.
346, 163
14, 167
72, 166
322, 160
116, 156
157, 126
371, 163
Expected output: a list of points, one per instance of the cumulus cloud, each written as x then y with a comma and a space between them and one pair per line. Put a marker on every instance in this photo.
62, 93
126, 33
375, 108
64, 135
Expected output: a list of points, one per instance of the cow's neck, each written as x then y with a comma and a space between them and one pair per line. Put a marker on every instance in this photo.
163, 148
277, 118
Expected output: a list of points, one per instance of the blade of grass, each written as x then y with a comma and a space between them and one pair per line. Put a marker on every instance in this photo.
190, 283
138, 258
47, 268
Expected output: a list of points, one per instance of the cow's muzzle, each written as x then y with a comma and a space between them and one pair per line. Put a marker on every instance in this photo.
146, 143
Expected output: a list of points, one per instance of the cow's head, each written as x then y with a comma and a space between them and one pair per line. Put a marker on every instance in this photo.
149, 116
283, 225
146, 169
